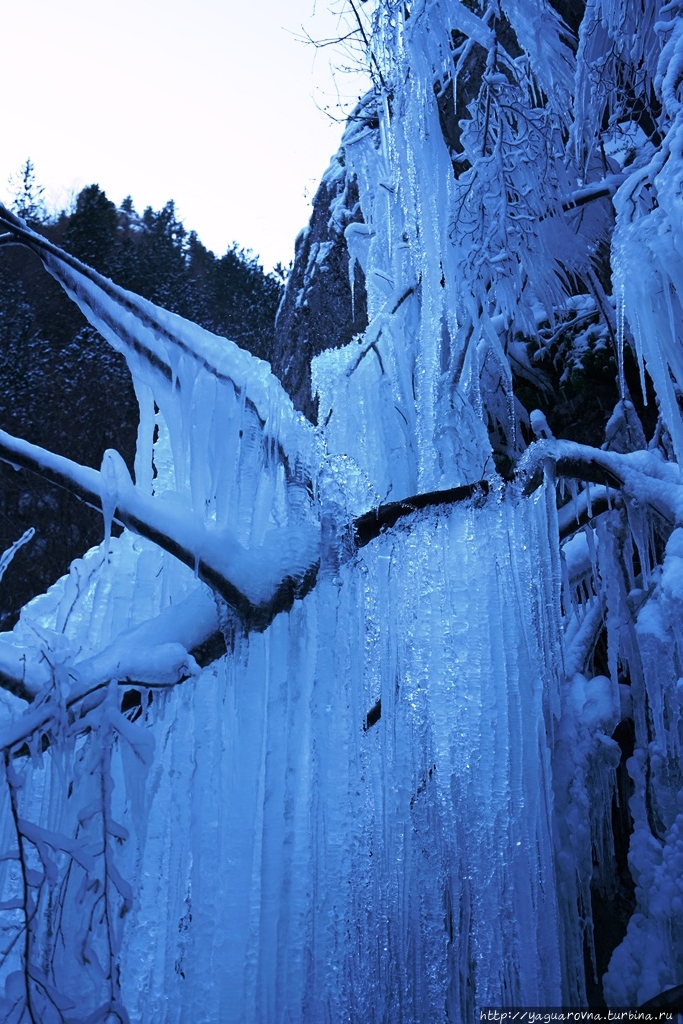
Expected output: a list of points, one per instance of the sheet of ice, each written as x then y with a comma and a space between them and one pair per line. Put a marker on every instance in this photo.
410, 808
230, 442
358, 856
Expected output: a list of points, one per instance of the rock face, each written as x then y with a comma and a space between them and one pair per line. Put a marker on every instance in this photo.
324, 304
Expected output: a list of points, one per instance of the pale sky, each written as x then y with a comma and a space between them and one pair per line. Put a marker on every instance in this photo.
212, 103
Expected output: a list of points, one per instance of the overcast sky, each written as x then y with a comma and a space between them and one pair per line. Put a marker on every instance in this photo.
212, 103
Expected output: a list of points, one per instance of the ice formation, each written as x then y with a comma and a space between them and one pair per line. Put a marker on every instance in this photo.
372, 782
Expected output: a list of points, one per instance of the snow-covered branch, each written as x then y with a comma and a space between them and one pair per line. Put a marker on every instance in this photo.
258, 583
163, 652
639, 476
166, 351
642, 476
603, 189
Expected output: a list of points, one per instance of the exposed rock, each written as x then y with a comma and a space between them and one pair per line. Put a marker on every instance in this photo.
319, 310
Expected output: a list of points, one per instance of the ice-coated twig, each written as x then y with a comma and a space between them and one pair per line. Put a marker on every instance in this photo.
23, 671
8, 555
159, 654
374, 330
158, 666
113, 884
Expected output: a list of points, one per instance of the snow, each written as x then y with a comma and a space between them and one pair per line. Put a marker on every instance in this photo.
207, 820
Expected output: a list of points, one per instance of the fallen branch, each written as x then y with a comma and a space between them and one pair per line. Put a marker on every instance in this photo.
604, 189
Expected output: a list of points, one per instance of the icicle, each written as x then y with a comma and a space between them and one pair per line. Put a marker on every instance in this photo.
352, 285
109, 476
144, 450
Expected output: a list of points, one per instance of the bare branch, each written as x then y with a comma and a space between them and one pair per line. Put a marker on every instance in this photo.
369, 526
604, 189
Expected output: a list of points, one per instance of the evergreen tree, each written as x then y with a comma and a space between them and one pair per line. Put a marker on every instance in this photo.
91, 233
28, 202
156, 266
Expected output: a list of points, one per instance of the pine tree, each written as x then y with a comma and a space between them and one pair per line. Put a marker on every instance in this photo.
28, 196
91, 233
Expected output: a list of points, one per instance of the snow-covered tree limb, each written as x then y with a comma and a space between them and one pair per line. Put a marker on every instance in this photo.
642, 476
163, 652
156, 342
157, 667
257, 584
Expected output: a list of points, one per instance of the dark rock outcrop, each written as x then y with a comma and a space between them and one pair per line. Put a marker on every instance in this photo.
319, 310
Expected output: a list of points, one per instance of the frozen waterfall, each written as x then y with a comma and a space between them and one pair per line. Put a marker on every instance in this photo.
259, 771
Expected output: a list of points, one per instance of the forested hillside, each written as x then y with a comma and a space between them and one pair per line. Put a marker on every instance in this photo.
64, 387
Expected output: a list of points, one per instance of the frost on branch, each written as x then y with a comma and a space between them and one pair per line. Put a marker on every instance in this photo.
383, 720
